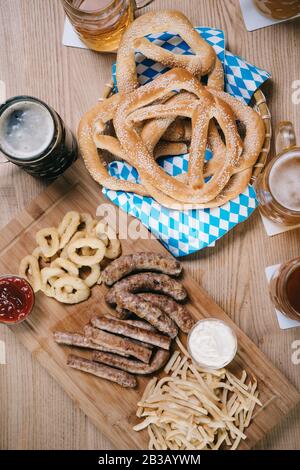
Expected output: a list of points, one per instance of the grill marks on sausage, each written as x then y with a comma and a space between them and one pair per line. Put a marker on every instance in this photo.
143, 309
137, 262
145, 282
135, 367
124, 345
121, 327
121, 347
177, 312
81, 341
105, 372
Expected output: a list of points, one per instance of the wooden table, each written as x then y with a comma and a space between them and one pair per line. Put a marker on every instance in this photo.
34, 412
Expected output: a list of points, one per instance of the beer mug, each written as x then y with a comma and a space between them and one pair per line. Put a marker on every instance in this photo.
284, 289
278, 9
278, 187
100, 24
34, 137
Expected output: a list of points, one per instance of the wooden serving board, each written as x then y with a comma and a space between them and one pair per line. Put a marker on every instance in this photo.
111, 408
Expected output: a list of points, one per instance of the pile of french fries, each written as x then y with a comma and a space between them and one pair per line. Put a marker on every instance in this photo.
194, 409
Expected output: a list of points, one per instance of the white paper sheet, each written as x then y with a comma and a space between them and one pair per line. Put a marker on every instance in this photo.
253, 19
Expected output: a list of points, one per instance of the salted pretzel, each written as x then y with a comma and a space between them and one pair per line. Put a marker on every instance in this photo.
153, 121
149, 171
253, 142
152, 22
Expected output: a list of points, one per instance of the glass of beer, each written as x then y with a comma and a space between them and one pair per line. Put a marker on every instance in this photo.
285, 289
278, 187
278, 9
34, 137
100, 24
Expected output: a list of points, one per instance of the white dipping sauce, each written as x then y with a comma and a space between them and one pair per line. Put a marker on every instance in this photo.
212, 343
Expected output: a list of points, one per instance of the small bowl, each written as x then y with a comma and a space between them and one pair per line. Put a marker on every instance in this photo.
30, 303
227, 361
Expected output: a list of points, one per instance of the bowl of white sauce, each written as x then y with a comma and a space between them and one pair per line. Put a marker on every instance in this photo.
212, 343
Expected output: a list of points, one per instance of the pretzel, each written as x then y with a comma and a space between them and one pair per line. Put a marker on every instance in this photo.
197, 192
102, 113
157, 22
143, 116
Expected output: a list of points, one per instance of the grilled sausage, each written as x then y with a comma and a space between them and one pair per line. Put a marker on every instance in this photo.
121, 327
135, 367
122, 345
177, 312
143, 309
109, 373
80, 341
145, 282
136, 262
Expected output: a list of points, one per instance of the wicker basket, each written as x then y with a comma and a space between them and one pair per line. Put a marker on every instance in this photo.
259, 103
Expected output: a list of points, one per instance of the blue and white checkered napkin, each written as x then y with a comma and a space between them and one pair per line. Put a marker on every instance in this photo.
184, 232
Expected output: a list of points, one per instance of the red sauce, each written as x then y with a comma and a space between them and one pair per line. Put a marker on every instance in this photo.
16, 299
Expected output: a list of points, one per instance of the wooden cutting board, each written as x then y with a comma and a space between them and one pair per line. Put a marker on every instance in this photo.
111, 408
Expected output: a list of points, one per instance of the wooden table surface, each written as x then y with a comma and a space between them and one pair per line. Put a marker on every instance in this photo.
34, 412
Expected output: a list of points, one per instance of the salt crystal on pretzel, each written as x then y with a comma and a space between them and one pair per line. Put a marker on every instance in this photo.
157, 22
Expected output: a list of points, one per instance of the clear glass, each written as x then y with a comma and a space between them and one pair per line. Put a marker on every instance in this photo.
279, 288
203, 365
272, 181
278, 9
100, 29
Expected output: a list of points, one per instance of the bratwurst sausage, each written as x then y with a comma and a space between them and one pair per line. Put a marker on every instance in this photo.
135, 367
143, 309
80, 341
177, 312
145, 282
109, 373
121, 327
119, 344
136, 262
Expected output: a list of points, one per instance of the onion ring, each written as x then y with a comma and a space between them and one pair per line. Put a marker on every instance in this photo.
90, 242
68, 227
82, 291
30, 270
48, 248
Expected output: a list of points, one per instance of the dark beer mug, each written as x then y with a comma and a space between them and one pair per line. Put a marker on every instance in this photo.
34, 137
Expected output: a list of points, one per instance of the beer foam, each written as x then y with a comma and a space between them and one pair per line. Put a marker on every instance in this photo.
284, 180
26, 129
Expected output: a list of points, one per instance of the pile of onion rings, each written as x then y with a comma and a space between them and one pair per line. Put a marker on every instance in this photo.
67, 260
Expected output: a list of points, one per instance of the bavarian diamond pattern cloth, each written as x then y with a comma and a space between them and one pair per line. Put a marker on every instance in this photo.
184, 232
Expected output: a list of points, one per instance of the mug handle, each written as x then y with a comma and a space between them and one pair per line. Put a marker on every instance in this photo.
285, 137
139, 4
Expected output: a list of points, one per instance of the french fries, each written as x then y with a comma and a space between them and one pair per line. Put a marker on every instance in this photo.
194, 409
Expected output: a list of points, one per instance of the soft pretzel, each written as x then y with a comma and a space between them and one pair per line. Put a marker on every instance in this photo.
157, 22
198, 192
96, 165
154, 120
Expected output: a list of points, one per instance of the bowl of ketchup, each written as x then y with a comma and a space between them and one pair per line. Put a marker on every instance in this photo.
16, 299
